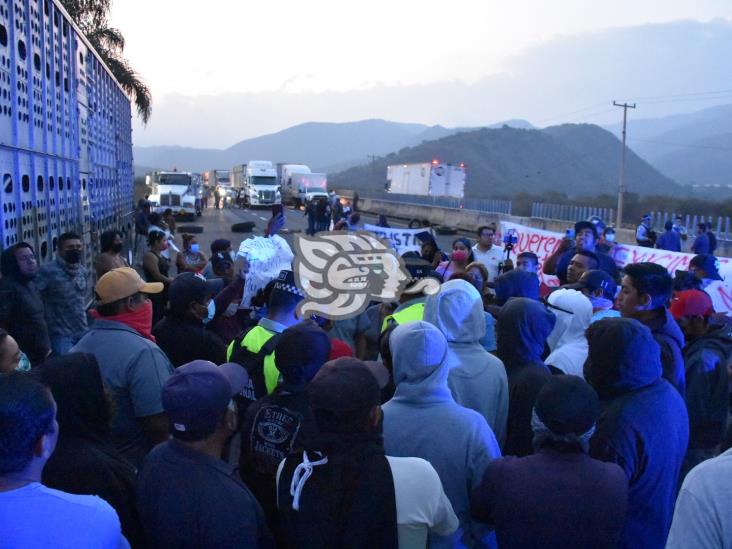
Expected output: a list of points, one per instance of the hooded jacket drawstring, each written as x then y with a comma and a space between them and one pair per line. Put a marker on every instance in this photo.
301, 475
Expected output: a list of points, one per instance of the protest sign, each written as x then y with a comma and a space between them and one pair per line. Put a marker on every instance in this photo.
543, 243
402, 240
266, 257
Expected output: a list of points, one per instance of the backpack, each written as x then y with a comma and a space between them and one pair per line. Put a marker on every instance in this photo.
253, 363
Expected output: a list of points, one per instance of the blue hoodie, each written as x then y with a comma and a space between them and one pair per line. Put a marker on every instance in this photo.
643, 426
423, 420
477, 378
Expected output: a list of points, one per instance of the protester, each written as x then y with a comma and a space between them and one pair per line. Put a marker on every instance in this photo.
529, 262
311, 212
187, 496
133, 367
382, 222
580, 263
191, 259
220, 250
600, 289
22, 312
521, 332
516, 283
411, 306
111, 245
644, 234
182, 334
217, 197
63, 287
670, 239
706, 268
142, 223
707, 352
322, 215
686, 280
712, 238
350, 223
559, 497
643, 426
567, 341
477, 275
85, 460
680, 227
344, 491
156, 269
585, 239
34, 515
255, 348
429, 250
169, 219
477, 378
11, 357
644, 294
300, 353
606, 242
701, 244
230, 319
702, 518
461, 256
487, 253
423, 420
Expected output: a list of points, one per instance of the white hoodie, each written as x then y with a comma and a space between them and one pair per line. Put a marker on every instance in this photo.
567, 341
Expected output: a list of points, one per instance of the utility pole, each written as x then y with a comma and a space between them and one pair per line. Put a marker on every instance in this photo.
621, 182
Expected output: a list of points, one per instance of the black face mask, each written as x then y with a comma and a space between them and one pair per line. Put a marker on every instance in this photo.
72, 256
116, 248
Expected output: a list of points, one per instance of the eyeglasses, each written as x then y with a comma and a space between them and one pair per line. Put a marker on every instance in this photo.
26, 259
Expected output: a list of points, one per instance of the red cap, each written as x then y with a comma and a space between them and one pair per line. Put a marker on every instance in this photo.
691, 303
339, 349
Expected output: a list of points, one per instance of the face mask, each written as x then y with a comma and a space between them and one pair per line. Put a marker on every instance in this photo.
24, 364
610, 237
72, 256
165, 245
231, 309
211, 312
194, 248
459, 255
232, 255
117, 248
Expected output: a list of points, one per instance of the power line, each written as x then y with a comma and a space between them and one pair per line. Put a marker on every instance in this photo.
691, 94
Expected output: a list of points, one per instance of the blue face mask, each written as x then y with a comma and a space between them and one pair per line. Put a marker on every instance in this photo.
194, 248
24, 364
211, 312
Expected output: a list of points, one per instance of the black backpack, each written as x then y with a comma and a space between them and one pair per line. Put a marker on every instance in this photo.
253, 363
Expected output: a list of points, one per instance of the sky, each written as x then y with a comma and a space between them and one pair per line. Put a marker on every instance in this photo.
297, 55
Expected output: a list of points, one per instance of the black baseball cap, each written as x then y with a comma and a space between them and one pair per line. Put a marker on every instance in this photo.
707, 263
301, 352
567, 405
596, 280
188, 287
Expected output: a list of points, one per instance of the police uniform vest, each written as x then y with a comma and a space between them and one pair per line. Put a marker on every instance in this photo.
413, 313
253, 342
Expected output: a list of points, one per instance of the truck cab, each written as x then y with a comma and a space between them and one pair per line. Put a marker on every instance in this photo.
260, 186
302, 188
174, 190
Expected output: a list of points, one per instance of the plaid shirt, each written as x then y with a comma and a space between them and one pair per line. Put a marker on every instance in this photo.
64, 292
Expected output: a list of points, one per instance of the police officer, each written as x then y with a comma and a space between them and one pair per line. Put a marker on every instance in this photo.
411, 306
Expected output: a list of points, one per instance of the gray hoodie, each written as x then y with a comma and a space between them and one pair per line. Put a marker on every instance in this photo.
477, 378
423, 420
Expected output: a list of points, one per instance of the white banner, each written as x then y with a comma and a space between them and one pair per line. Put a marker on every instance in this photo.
402, 240
543, 243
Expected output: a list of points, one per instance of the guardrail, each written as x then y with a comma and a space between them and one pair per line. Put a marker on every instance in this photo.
568, 212
476, 204
721, 228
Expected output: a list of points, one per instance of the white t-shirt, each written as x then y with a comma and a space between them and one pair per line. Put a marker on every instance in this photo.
37, 516
490, 259
421, 504
703, 514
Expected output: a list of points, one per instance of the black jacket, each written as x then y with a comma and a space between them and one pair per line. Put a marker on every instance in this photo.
643, 426
22, 312
670, 339
185, 340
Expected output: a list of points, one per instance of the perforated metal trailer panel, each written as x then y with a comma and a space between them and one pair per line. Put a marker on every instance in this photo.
65, 133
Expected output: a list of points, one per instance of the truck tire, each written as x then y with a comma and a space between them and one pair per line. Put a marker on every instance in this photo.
245, 227
190, 229
415, 223
185, 218
426, 223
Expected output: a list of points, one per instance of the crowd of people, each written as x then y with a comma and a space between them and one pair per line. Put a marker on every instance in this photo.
499, 411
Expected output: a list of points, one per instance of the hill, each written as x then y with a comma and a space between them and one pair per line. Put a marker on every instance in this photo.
322, 146
576, 159
707, 161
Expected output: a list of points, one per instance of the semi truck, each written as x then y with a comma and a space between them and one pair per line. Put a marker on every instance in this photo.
257, 180
174, 190
299, 185
222, 179
427, 179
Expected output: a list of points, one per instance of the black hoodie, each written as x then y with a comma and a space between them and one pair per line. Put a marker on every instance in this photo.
521, 331
643, 427
21, 309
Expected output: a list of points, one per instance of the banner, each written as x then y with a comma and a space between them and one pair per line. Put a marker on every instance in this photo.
402, 240
543, 243
266, 257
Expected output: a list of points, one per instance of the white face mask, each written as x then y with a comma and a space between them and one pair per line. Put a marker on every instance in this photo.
231, 309
610, 237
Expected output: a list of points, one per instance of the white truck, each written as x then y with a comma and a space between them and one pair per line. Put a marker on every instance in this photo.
222, 180
174, 190
300, 186
257, 180
427, 179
